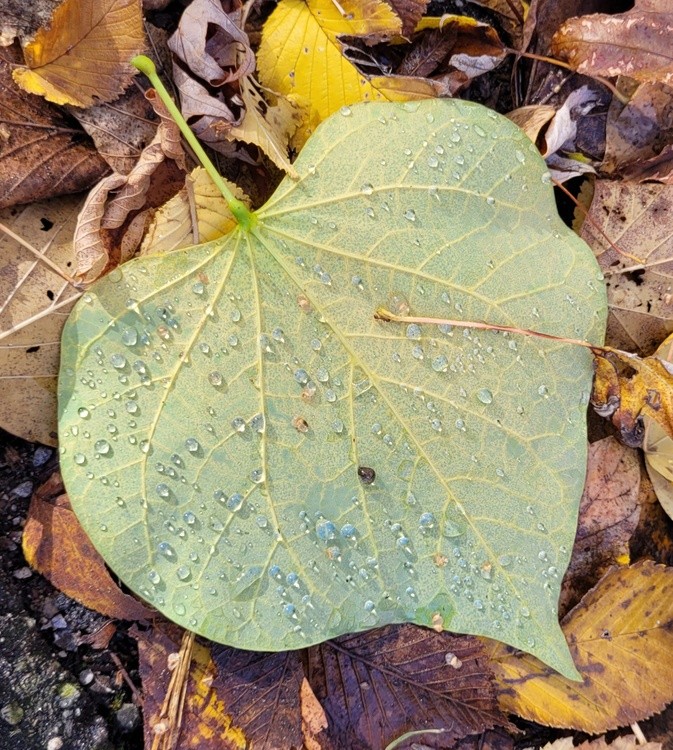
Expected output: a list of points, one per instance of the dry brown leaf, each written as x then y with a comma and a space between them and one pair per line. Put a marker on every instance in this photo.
638, 130
120, 129
637, 218
410, 13
100, 212
635, 44
658, 169
35, 300
313, 717
608, 517
56, 546
627, 742
511, 13
43, 153
621, 639
83, 58
197, 214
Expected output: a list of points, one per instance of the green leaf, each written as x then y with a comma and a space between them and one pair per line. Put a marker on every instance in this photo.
269, 466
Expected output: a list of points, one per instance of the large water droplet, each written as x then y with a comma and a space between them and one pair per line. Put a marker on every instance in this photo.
485, 396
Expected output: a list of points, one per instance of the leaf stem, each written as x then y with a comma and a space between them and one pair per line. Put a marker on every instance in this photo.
245, 218
388, 317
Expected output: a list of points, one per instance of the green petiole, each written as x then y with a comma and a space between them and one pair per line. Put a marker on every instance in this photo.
245, 218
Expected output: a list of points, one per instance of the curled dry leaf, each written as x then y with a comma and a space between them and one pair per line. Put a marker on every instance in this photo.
636, 218
300, 56
622, 627
608, 517
234, 698
35, 300
56, 546
452, 50
43, 153
636, 43
378, 685
222, 113
198, 213
102, 212
74, 62
511, 15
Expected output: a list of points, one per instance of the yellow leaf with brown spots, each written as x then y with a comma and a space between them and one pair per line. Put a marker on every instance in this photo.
621, 639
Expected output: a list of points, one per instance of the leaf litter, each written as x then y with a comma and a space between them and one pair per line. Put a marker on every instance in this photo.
193, 202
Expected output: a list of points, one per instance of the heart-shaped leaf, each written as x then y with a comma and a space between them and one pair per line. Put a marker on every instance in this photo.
270, 466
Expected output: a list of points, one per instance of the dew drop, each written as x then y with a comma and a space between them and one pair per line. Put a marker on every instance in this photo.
366, 188
83, 413
79, 459
215, 378
238, 424
184, 573
192, 445
163, 490
413, 331
427, 521
102, 447
167, 551
235, 502
485, 396
325, 530
440, 363
301, 376
345, 111
154, 577
198, 287
410, 214
262, 522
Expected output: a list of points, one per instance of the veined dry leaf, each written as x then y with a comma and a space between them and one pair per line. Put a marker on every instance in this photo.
198, 213
637, 219
608, 517
42, 152
313, 717
635, 44
621, 637
100, 212
627, 742
120, 129
83, 58
657, 169
378, 685
300, 57
56, 546
410, 13
35, 301
235, 699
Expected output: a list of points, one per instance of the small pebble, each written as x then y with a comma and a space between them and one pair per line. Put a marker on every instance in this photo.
128, 717
41, 456
12, 713
86, 676
55, 743
22, 573
58, 622
25, 489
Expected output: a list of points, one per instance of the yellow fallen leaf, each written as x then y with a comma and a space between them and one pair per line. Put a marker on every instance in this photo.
628, 742
83, 57
197, 214
300, 56
621, 639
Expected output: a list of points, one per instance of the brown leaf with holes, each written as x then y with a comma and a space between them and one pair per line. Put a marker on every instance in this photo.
608, 517
635, 44
35, 300
378, 685
83, 57
621, 639
43, 153
56, 546
410, 13
636, 218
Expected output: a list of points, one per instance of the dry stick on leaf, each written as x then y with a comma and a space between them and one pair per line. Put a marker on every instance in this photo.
625, 401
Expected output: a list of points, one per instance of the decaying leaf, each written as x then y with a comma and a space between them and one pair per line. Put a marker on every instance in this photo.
608, 517
376, 686
43, 153
102, 211
35, 300
638, 130
627, 742
628, 389
658, 448
621, 638
511, 13
636, 218
300, 56
198, 213
83, 58
234, 699
635, 43
56, 546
